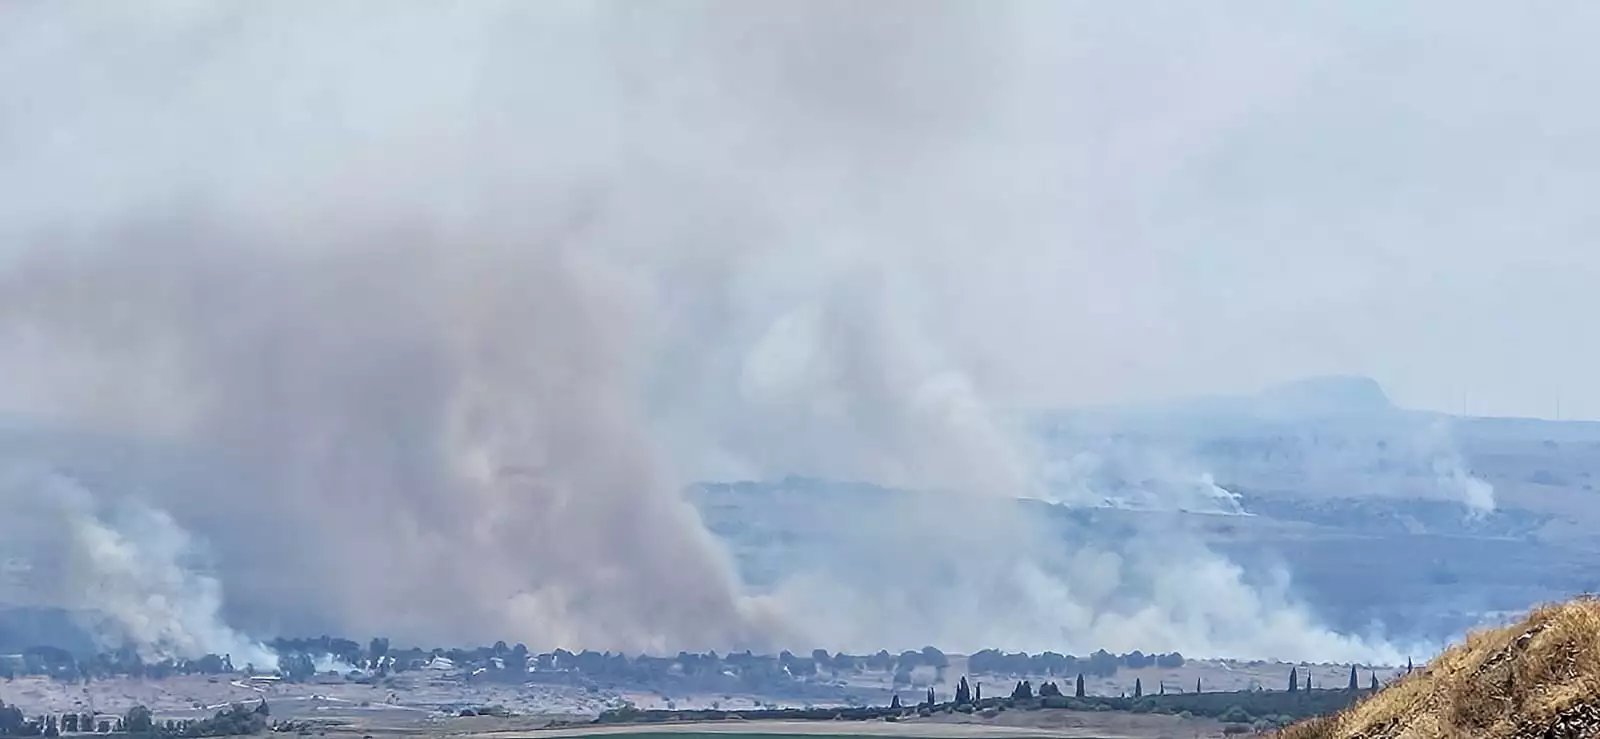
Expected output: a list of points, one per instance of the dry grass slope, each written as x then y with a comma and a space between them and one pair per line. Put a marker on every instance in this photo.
1539, 678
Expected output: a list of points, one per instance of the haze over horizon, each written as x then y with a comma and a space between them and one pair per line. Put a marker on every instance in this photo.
498, 279
1228, 201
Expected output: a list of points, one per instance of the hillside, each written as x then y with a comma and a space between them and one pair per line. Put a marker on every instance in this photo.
1537, 678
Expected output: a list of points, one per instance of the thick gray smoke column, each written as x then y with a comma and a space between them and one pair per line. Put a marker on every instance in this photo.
398, 283
450, 302
411, 428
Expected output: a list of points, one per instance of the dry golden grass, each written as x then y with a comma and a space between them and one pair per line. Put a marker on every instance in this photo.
1516, 681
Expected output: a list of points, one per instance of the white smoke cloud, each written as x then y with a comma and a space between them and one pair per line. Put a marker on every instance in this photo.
163, 608
961, 591
1450, 471
459, 300
1136, 475
133, 571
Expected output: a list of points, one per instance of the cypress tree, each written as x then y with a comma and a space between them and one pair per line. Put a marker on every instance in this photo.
1354, 686
1161, 688
1294, 679
1197, 685
1308, 680
977, 692
1374, 680
1138, 688
1079, 692
894, 705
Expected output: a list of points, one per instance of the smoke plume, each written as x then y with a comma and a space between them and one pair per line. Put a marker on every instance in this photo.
442, 307
129, 570
1451, 474
136, 576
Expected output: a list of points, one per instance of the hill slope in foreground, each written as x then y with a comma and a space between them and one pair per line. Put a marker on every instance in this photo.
1539, 678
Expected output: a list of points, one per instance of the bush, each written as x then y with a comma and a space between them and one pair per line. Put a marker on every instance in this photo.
1235, 715
236, 720
138, 720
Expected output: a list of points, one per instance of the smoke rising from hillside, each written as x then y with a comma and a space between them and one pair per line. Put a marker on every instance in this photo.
131, 573
1451, 472
445, 306
407, 427
135, 575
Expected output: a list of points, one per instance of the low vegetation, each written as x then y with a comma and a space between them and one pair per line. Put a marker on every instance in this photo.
1537, 678
235, 720
298, 659
1257, 709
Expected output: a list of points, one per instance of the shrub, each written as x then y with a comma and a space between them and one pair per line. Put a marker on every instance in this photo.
1235, 715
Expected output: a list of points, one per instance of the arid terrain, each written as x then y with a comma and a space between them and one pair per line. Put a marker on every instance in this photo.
444, 693
1536, 678
432, 702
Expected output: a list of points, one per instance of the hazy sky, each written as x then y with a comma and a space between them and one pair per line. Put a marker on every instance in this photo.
1173, 199
497, 279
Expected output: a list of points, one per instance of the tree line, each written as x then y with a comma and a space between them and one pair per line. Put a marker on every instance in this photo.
235, 720
1259, 709
1098, 664
298, 659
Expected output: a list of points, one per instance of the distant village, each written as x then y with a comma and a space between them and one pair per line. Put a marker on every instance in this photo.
921, 672
306, 659
235, 720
